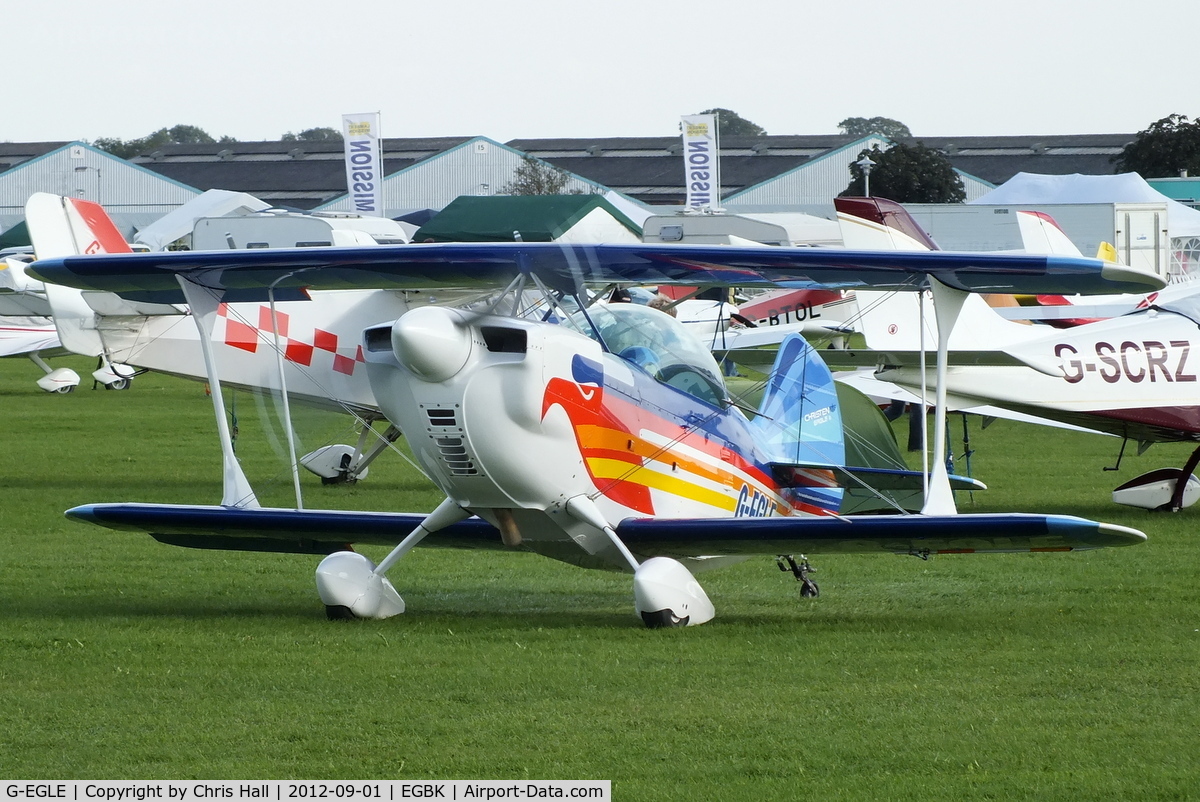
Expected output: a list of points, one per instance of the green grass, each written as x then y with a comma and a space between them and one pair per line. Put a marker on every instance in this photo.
1028, 676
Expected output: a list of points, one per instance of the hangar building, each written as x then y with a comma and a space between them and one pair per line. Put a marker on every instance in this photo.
764, 173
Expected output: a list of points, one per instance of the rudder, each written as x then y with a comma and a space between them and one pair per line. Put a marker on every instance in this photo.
799, 419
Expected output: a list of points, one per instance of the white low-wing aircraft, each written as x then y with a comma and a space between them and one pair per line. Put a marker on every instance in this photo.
61, 321
1132, 374
27, 326
607, 439
320, 342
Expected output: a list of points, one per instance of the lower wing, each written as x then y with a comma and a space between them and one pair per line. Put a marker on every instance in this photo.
895, 534
327, 531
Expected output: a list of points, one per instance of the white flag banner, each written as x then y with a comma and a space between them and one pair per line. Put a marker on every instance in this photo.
364, 162
701, 161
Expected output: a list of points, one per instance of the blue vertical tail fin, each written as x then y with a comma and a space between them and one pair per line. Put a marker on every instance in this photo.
799, 421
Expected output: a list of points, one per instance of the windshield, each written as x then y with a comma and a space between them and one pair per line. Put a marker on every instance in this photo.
658, 344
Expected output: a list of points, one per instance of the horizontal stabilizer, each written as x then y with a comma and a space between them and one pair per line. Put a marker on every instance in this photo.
797, 475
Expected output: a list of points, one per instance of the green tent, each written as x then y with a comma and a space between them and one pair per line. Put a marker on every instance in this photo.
16, 237
870, 443
537, 218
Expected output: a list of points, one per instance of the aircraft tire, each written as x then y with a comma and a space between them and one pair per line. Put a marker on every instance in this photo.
663, 619
66, 388
339, 612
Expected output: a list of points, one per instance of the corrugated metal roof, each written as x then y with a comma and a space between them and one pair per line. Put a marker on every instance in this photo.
430, 171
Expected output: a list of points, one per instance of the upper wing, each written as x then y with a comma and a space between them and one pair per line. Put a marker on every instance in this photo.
326, 531
247, 274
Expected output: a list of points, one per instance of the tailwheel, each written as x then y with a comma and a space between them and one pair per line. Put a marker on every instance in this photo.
801, 570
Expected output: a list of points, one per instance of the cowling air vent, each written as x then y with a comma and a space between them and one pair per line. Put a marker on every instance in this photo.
500, 339
447, 436
442, 418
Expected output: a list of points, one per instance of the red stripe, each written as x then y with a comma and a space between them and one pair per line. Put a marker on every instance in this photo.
101, 226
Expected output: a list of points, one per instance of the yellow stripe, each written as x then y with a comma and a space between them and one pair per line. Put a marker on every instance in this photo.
615, 469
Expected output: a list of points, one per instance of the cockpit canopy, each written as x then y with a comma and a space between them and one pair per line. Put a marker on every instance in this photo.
658, 344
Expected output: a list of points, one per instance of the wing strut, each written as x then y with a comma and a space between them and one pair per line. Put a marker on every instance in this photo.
947, 304
283, 394
236, 490
584, 509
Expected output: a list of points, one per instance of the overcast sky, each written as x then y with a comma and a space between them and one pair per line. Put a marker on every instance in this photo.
255, 69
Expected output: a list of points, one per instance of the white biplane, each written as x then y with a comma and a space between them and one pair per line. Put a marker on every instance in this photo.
599, 435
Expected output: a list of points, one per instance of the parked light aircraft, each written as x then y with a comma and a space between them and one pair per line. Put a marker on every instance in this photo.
61, 321
1132, 375
27, 328
320, 341
607, 440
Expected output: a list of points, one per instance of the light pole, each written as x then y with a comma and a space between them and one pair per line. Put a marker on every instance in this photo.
84, 169
865, 164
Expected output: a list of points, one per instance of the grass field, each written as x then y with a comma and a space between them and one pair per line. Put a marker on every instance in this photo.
1033, 676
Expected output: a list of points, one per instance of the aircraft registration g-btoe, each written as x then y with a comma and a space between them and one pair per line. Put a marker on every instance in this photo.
599, 435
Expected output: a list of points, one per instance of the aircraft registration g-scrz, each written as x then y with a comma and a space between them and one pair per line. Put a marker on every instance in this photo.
600, 435
1128, 360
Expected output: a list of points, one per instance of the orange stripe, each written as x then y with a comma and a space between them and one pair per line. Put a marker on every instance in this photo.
696, 440
602, 438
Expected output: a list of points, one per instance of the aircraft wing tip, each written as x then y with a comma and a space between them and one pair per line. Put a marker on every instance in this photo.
1117, 535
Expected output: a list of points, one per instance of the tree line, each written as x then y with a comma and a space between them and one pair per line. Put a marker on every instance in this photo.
191, 135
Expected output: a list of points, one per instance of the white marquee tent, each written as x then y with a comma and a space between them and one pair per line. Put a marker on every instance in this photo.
1036, 189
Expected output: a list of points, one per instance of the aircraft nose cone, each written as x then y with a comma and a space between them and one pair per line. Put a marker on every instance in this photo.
432, 342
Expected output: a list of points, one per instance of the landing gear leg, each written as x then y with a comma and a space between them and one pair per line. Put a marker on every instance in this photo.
800, 570
1181, 482
351, 586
